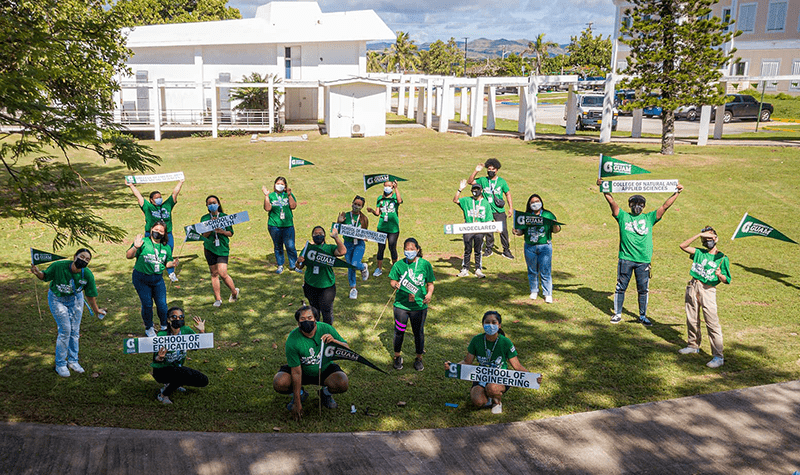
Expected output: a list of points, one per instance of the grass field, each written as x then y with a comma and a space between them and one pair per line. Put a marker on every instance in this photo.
588, 364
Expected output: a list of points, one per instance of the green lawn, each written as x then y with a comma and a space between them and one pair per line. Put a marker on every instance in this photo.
588, 364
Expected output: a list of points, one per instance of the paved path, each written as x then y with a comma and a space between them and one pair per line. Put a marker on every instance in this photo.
747, 431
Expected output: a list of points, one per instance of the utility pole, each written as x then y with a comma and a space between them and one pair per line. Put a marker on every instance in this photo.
590, 25
465, 56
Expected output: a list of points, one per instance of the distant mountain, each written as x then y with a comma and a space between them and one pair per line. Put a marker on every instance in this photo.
482, 47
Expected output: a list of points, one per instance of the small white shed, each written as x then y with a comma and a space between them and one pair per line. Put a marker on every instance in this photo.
355, 108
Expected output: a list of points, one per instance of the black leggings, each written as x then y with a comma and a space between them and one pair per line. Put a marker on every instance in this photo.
322, 300
401, 318
472, 242
391, 239
177, 376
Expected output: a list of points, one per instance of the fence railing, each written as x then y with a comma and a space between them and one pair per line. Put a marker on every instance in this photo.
193, 117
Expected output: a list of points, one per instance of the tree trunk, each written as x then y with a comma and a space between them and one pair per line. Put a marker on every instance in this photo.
667, 132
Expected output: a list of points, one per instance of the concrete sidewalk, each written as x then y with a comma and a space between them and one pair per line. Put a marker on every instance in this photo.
748, 431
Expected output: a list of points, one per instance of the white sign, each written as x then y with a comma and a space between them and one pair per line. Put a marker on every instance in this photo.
222, 223
470, 228
347, 230
193, 341
137, 179
639, 186
485, 374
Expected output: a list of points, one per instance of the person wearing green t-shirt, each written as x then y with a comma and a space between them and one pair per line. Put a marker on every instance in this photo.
635, 248
152, 255
280, 204
387, 209
539, 249
476, 209
319, 282
493, 349
412, 278
216, 247
497, 193
157, 209
168, 368
709, 267
303, 353
69, 281
355, 247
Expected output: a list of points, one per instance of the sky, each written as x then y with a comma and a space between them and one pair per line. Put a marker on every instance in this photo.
429, 20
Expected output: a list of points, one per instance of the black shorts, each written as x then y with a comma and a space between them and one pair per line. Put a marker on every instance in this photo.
213, 259
505, 388
332, 368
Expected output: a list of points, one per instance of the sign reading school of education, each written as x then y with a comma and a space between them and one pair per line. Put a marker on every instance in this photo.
41, 257
750, 226
639, 186
613, 167
526, 220
347, 230
485, 374
221, 223
377, 179
194, 341
469, 228
137, 179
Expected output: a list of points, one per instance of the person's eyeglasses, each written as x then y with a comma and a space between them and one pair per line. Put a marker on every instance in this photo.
176, 316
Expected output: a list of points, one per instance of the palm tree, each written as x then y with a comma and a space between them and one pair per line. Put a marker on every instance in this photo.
539, 47
403, 54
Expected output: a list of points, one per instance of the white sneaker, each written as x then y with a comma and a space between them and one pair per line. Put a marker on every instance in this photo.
616, 319
377, 272
497, 408
534, 295
217, 303
173, 277
62, 371
479, 274
365, 272
548, 299
234, 297
715, 362
150, 332
76, 367
688, 350
279, 270
464, 272
353, 293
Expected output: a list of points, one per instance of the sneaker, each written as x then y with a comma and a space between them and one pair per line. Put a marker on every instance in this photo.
715, 362
279, 270
616, 319
507, 254
479, 274
464, 272
489, 403
488, 252
150, 332
645, 321
327, 398
180, 388
548, 299
299, 271
418, 364
163, 399
534, 295
173, 277
234, 297
217, 303
353, 293
365, 272
497, 408
398, 362
163, 328
76, 367
688, 350
62, 371
303, 397
377, 272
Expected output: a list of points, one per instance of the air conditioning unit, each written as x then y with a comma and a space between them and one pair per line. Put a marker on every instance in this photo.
357, 130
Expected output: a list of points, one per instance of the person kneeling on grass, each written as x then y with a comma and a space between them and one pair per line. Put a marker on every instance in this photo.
494, 350
303, 353
168, 366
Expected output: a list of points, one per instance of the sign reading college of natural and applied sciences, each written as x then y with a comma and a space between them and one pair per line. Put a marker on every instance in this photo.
41, 257
750, 226
148, 344
639, 186
527, 220
470, 228
347, 230
485, 374
614, 167
221, 223
137, 179
378, 178
297, 162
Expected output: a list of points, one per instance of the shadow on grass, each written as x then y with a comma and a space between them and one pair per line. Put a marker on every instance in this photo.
769, 274
594, 148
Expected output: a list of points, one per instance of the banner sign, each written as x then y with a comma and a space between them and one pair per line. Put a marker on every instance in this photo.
297, 162
639, 186
750, 226
614, 167
485, 374
377, 179
408, 285
41, 257
221, 223
137, 179
333, 351
191, 234
347, 230
317, 257
152, 344
469, 228
526, 220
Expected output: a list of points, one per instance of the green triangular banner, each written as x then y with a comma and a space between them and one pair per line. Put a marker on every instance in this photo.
297, 162
332, 351
313, 253
610, 166
41, 257
378, 178
750, 226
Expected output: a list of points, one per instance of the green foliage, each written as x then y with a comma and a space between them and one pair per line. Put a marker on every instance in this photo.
539, 48
57, 78
513, 65
442, 58
402, 55
155, 12
377, 61
257, 98
559, 64
589, 54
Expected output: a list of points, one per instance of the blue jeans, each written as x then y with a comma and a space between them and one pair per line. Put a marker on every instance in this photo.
624, 271
539, 258
151, 288
355, 252
283, 237
67, 311
171, 244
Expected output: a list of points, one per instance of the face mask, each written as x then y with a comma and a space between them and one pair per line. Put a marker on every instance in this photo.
156, 236
307, 326
490, 328
410, 255
536, 206
318, 238
709, 243
279, 187
491, 173
476, 193
637, 209
80, 263
158, 201
388, 190
177, 323
213, 207
356, 208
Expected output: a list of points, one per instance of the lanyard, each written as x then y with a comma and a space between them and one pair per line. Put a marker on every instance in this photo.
354, 220
72, 283
486, 347
475, 204
414, 272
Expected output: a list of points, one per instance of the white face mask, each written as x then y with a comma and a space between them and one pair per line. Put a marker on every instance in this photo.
279, 187
536, 206
388, 190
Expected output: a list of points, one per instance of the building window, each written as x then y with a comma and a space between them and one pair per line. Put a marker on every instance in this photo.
747, 18
288, 64
726, 17
740, 69
776, 20
794, 84
770, 67
287, 52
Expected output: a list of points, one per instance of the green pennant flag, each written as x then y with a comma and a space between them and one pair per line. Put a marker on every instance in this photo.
750, 226
378, 178
191, 234
313, 253
297, 162
42, 257
333, 351
526, 220
613, 167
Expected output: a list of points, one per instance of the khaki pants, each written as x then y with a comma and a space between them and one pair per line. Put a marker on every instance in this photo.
702, 296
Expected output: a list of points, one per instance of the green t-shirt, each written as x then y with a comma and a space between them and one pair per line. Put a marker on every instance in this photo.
319, 275
411, 276
152, 258
705, 264
217, 243
493, 354
304, 351
475, 211
281, 214
173, 357
491, 188
351, 220
64, 282
540, 234
154, 214
636, 236
389, 220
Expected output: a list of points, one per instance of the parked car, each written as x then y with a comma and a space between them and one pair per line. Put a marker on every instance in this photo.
743, 106
689, 113
590, 112
623, 97
507, 90
595, 87
652, 111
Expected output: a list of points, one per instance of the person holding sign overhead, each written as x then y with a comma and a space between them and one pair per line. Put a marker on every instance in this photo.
280, 204
495, 188
319, 282
539, 249
158, 209
493, 349
476, 210
413, 279
355, 247
388, 206
216, 247
69, 281
152, 255
168, 366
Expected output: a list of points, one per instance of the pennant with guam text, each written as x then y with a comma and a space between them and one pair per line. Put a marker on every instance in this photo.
42, 257
614, 167
750, 226
378, 178
297, 162
333, 351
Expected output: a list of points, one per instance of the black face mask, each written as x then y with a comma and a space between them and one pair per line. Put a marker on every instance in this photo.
318, 238
476, 193
176, 324
307, 326
491, 173
637, 209
80, 263
156, 236
709, 243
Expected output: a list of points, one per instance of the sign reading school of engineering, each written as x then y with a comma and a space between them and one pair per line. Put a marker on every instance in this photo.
486, 374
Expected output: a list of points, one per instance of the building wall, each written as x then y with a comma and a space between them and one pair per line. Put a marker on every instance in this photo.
355, 103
